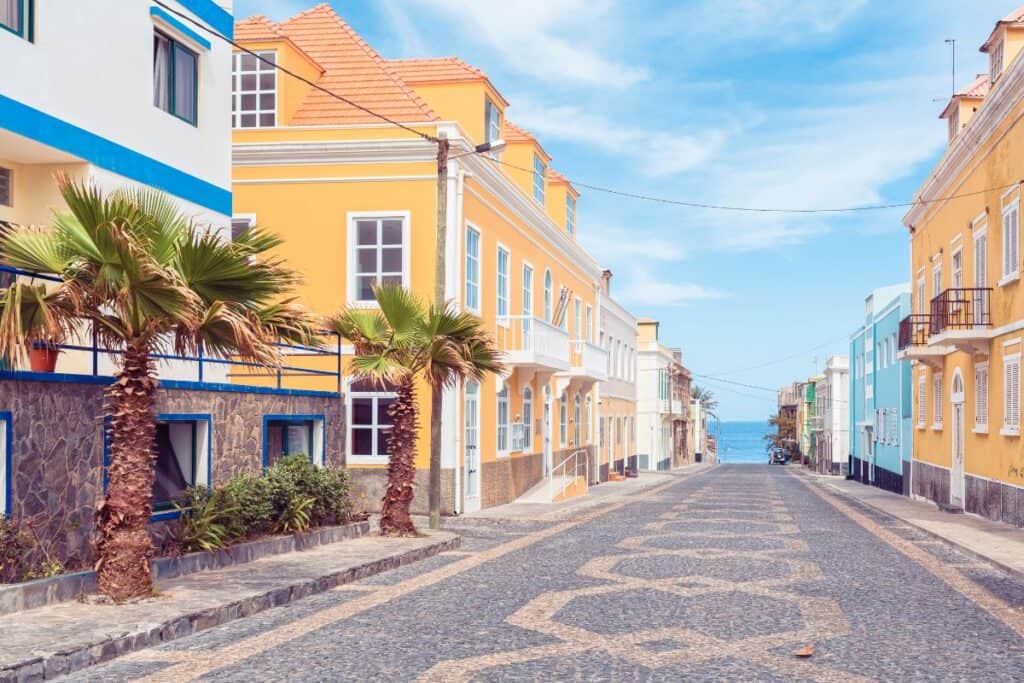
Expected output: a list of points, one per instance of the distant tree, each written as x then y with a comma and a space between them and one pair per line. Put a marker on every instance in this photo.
707, 400
784, 436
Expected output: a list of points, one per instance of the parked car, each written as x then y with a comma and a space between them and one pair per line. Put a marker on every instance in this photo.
777, 456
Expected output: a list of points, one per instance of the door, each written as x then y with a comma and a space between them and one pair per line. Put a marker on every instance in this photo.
547, 431
956, 474
980, 277
472, 446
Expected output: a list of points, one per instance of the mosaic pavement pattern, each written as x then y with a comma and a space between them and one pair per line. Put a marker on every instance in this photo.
718, 576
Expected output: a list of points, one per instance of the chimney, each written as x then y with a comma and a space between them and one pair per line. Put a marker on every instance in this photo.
606, 282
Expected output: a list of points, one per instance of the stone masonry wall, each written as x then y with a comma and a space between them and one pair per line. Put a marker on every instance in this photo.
57, 448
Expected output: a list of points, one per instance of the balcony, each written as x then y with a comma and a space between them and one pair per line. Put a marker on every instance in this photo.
587, 361
961, 318
676, 406
532, 346
914, 341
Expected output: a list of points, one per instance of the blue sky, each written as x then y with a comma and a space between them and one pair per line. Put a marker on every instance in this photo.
789, 103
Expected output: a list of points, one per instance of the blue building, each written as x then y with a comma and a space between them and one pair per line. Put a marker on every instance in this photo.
880, 394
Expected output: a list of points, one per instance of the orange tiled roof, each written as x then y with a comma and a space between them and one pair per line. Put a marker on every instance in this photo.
554, 176
513, 133
1014, 17
351, 67
978, 89
440, 70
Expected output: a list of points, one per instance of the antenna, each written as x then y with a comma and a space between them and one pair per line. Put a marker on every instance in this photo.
952, 46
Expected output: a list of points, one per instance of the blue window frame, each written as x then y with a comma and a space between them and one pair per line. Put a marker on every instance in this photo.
18, 17
6, 446
539, 170
293, 435
175, 78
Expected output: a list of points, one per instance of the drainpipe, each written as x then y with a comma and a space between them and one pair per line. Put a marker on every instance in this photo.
456, 265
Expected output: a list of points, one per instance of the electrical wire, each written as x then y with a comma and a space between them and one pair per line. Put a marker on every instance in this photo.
783, 359
577, 183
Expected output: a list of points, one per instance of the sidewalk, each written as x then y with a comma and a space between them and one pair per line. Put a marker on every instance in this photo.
600, 494
57, 639
995, 542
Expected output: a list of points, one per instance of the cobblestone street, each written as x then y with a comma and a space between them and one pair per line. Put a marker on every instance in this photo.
717, 576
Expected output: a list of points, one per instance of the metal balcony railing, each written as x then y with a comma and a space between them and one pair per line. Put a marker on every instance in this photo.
914, 330
964, 308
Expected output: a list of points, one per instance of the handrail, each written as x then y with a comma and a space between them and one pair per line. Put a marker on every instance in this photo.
575, 457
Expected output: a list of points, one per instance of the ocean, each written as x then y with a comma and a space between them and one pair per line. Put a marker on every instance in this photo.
742, 441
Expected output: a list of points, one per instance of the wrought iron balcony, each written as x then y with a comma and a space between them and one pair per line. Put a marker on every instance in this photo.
961, 309
914, 330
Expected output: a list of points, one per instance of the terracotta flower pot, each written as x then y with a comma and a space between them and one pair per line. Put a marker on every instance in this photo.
43, 357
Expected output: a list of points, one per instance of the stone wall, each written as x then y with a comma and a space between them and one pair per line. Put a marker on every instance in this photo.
368, 489
931, 482
57, 447
884, 479
505, 479
994, 500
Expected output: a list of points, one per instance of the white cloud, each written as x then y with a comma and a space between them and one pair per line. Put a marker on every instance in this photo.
608, 244
659, 153
540, 38
643, 290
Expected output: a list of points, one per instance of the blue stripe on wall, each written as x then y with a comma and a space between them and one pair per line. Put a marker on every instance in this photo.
213, 14
179, 26
36, 125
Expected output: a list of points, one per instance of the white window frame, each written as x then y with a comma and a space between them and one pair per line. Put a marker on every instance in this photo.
937, 277
540, 170
577, 418
502, 288
577, 318
248, 218
1010, 237
503, 436
1011, 395
549, 286
995, 61
922, 400
237, 111
492, 124
981, 394
570, 214
473, 285
563, 419
528, 419
957, 268
526, 281
352, 217
590, 323
922, 297
377, 429
937, 398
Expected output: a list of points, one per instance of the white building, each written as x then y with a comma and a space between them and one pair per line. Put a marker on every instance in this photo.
655, 407
616, 397
832, 417
115, 92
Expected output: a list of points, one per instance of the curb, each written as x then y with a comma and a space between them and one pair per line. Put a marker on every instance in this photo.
1012, 571
61, 662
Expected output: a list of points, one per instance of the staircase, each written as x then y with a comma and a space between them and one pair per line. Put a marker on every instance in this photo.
567, 480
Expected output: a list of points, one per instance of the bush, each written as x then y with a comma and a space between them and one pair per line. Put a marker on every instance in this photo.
206, 519
295, 476
251, 495
15, 544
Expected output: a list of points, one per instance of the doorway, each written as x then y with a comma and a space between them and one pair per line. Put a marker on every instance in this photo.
472, 445
956, 473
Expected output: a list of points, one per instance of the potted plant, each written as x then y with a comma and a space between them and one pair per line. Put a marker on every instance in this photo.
42, 357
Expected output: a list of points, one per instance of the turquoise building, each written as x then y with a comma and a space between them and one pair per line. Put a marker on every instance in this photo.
880, 394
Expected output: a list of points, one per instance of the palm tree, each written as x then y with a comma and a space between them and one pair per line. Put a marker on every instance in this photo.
399, 344
149, 282
707, 400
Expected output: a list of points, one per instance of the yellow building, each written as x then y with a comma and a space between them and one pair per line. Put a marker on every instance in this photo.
355, 200
966, 332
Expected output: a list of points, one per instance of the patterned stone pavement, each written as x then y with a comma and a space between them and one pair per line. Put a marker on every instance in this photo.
719, 576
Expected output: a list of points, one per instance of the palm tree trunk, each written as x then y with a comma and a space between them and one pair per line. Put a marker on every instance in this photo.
124, 547
395, 519
434, 495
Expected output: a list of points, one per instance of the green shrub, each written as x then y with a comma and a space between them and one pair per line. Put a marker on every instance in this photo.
251, 495
206, 519
295, 475
15, 544
296, 515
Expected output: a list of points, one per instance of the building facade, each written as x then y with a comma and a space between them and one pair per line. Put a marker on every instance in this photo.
831, 422
808, 433
683, 450
880, 394
617, 397
355, 200
964, 334
659, 405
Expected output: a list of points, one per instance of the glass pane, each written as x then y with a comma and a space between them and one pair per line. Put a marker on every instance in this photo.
248, 82
10, 14
247, 121
382, 411
391, 260
267, 101
298, 439
184, 84
366, 261
269, 57
267, 81
161, 71
249, 62
248, 102
364, 288
175, 469
362, 441
267, 120
275, 442
362, 411
366, 232
391, 232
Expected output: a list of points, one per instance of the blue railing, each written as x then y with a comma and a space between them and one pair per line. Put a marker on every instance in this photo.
280, 375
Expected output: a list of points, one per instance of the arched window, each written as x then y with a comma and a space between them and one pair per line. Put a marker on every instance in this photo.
503, 420
547, 295
527, 419
577, 419
563, 420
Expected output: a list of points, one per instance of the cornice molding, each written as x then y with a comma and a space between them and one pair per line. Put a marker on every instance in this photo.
328, 152
1001, 100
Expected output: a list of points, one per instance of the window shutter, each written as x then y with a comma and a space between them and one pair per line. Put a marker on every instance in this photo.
1015, 394
937, 399
921, 398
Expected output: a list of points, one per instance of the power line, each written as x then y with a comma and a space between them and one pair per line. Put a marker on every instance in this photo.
578, 183
784, 358
739, 384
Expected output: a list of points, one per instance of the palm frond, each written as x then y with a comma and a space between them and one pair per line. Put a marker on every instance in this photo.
35, 249
30, 313
381, 369
403, 312
161, 224
217, 271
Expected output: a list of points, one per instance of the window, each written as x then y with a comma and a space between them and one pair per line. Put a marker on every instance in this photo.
995, 61
369, 422
958, 269
590, 324
937, 401
590, 420
563, 420
182, 457
502, 286
175, 78
378, 256
6, 185
922, 397
1011, 394
577, 420
1011, 239
6, 429
921, 296
953, 123
618, 431
293, 435
503, 420
240, 224
254, 90
937, 279
527, 419
981, 397
492, 124
892, 348
570, 214
547, 295
527, 306
472, 270
539, 170
578, 318
16, 17
981, 268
